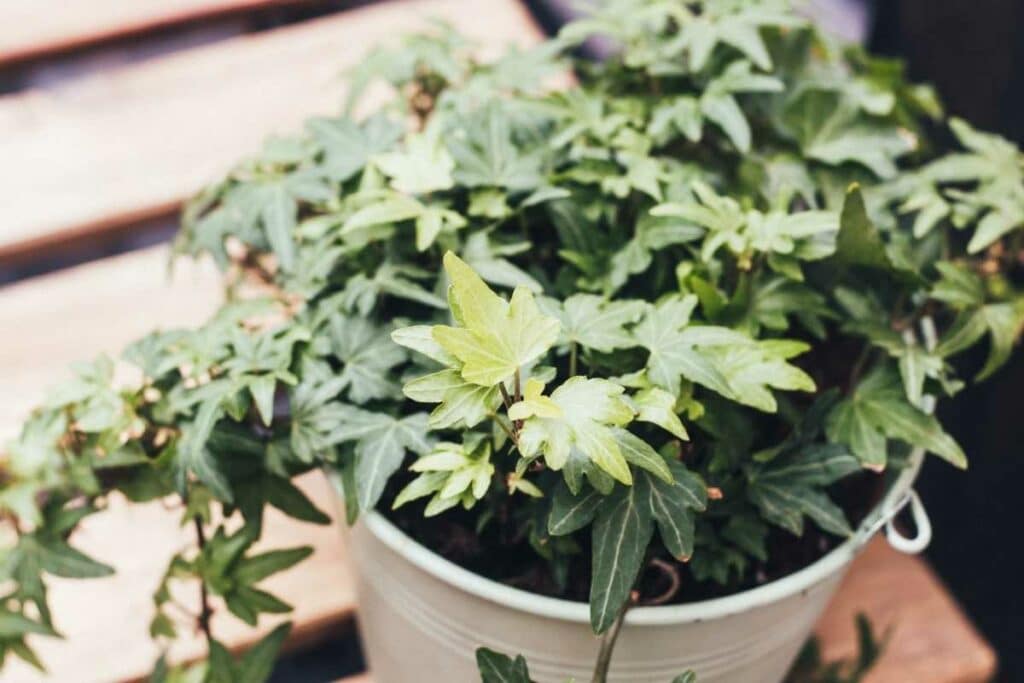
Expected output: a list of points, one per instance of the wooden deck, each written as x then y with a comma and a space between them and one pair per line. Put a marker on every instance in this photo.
97, 156
181, 121
31, 30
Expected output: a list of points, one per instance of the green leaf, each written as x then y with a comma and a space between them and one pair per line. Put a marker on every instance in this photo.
461, 402
390, 209
1003, 322
589, 408
454, 473
368, 355
878, 409
672, 505
671, 357
424, 166
859, 243
639, 453
622, 532
15, 625
381, 444
347, 146
496, 338
258, 567
598, 324
60, 559
657, 406
486, 155
498, 668
280, 213
570, 512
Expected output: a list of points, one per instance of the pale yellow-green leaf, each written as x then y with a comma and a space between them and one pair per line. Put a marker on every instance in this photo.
496, 337
590, 408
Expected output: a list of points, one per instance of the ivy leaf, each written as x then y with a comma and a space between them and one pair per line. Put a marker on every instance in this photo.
498, 668
751, 369
596, 323
638, 452
878, 409
496, 338
452, 473
257, 663
859, 242
1003, 323
622, 531
672, 504
718, 104
832, 130
381, 444
14, 625
676, 347
368, 355
362, 294
658, 406
280, 212
461, 402
487, 156
388, 209
571, 512
347, 146
589, 409
489, 260
424, 166
736, 25
785, 505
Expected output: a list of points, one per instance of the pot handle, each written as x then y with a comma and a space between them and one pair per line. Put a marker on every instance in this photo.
920, 541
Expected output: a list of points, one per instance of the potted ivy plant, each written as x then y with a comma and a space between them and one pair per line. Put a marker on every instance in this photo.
648, 356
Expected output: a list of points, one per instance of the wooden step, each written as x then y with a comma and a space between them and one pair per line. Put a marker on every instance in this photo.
104, 305
111, 150
932, 640
42, 28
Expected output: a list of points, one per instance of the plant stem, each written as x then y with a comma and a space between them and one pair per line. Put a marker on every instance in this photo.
604, 656
205, 611
519, 387
572, 359
506, 399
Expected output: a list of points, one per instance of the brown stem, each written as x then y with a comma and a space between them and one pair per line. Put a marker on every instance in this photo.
205, 611
604, 656
675, 582
504, 395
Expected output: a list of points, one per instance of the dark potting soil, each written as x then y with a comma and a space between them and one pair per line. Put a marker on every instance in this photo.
502, 552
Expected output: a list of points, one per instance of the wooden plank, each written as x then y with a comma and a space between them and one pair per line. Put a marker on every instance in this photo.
932, 639
131, 144
54, 320
30, 30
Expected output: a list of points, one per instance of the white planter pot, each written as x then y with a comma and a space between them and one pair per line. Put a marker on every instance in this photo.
422, 617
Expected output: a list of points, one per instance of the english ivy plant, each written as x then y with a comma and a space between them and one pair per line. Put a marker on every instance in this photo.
650, 322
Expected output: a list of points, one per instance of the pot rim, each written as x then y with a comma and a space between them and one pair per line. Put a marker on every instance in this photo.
579, 612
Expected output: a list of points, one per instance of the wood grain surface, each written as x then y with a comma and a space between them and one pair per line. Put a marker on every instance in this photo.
110, 150
36, 28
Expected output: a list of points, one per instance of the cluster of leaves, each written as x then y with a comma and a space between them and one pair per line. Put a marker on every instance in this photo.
740, 262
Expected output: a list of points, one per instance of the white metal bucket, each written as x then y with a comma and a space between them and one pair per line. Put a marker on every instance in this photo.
422, 617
